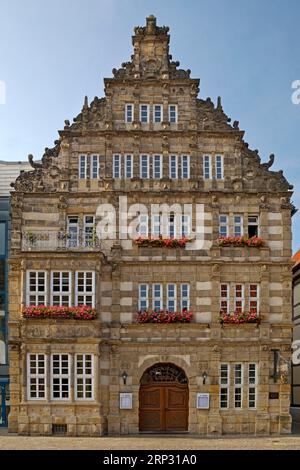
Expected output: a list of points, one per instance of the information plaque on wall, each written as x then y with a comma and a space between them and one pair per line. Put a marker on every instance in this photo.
203, 401
125, 401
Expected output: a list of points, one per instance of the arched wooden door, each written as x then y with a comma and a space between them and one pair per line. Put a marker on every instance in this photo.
164, 399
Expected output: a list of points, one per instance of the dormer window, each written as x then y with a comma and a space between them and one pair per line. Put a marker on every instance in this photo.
173, 113
144, 113
129, 111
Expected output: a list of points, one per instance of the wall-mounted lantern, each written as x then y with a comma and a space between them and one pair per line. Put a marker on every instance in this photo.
124, 377
204, 377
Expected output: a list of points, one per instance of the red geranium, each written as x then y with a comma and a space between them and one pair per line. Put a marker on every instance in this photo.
164, 316
239, 317
82, 312
241, 241
169, 242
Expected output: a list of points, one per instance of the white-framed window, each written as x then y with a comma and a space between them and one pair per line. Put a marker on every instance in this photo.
117, 166
157, 297
157, 166
129, 112
89, 230
143, 225
73, 231
173, 167
254, 298
219, 166
223, 225
144, 113
60, 376
36, 377
85, 288
157, 113
171, 297
185, 296
224, 298
82, 166
173, 113
185, 225
253, 226
224, 386
144, 166
94, 167
156, 225
239, 300
84, 377
237, 225
61, 288
207, 171
252, 383
36, 288
143, 296
128, 166
171, 225
185, 167
238, 385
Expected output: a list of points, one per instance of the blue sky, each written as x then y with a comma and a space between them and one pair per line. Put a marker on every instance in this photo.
53, 53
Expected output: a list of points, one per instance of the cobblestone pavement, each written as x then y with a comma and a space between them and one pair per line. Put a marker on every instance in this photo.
14, 442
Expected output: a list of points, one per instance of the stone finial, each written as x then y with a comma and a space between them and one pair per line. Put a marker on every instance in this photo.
219, 103
151, 24
85, 103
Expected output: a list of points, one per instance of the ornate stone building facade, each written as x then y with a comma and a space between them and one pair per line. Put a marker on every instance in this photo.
153, 141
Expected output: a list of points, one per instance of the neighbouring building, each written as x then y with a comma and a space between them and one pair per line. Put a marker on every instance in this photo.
150, 141
296, 319
9, 171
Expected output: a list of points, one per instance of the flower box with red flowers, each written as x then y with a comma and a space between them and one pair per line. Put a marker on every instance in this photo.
255, 242
82, 312
237, 318
161, 242
164, 316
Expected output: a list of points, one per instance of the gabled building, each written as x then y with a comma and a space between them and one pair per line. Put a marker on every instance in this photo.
176, 323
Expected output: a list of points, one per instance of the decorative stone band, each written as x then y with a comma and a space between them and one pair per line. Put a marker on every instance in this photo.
82, 312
